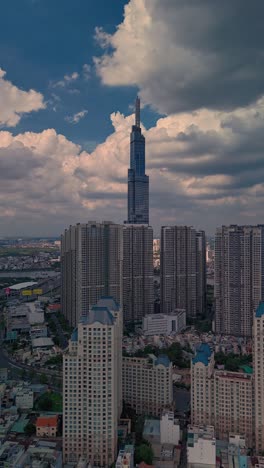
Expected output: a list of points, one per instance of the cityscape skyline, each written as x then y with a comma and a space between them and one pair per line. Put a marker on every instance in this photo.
137, 338
69, 120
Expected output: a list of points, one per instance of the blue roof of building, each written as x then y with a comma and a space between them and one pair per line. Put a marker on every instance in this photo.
260, 310
163, 360
74, 336
108, 301
151, 427
99, 314
203, 354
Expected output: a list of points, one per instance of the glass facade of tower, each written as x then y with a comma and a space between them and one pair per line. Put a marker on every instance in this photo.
138, 181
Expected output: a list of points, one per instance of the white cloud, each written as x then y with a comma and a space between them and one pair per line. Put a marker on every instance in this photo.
186, 55
86, 70
15, 102
75, 118
205, 169
66, 81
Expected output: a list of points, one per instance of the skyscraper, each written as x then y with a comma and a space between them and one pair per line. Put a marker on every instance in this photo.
239, 277
92, 266
138, 289
92, 386
258, 361
138, 181
182, 270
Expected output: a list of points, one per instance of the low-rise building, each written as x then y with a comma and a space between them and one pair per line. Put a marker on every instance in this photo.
201, 447
164, 324
169, 428
125, 457
38, 331
147, 384
41, 455
43, 343
10, 453
24, 397
47, 426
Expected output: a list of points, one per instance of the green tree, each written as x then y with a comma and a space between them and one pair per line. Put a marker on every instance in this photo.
30, 429
43, 379
45, 403
32, 374
144, 453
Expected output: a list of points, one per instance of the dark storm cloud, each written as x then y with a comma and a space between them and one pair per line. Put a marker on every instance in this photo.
189, 54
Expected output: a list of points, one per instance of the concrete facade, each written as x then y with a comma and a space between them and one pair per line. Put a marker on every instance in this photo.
162, 324
92, 391
239, 278
147, 384
182, 270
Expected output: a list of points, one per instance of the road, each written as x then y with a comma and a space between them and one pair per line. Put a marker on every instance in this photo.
5, 361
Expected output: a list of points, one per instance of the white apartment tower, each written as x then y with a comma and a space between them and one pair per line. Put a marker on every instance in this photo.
92, 390
91, 266
138, 289
239, 277
258, 360
147, 384
182, 270
202, 386
222, 399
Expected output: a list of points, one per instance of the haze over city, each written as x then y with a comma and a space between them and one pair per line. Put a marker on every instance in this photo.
69, 76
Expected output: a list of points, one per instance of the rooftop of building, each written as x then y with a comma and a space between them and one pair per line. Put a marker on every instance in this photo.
260, 310
47, 421
108, 301
19, 286
152, 427
196, 432
74, 336
162, 360
203, 354
42, 342
99, 314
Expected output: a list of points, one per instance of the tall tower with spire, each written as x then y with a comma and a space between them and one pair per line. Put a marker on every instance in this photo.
138, 181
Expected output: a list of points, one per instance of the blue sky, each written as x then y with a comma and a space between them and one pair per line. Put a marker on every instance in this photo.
67, 91
43, 40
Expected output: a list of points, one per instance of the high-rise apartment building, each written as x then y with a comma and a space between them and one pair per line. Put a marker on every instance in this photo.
138, 288
92, 390
182, 270
202, 386
147, 384
239, 277
138, 181
258, 361
91, 265
222, 399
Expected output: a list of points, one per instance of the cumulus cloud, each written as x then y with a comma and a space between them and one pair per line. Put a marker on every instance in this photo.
15, 102
205, 168
187, 55
75, 118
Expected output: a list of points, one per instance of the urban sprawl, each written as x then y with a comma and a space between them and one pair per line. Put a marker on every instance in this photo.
123, 350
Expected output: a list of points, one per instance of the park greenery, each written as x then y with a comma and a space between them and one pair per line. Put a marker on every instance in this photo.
233, 362
23, 251
30, 429
49, 401
144, 453
54, 361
